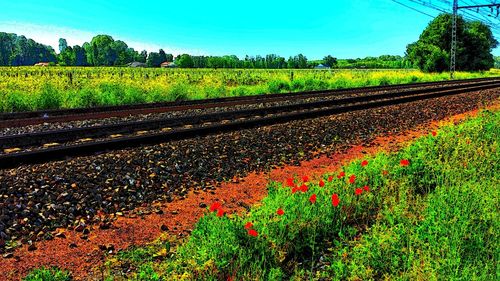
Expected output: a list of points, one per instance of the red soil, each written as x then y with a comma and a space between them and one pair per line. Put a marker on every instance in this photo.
181, 215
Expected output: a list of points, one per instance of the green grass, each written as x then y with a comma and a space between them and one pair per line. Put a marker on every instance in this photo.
34, 88
436, 218
48, 274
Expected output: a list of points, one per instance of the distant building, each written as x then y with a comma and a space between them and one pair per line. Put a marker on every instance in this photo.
42, 64
136, 64
321, 66
168, 64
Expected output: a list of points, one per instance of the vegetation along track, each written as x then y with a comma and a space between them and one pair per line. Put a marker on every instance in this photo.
18, 119
80, 141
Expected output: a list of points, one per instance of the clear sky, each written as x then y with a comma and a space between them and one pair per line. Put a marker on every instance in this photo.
342, 28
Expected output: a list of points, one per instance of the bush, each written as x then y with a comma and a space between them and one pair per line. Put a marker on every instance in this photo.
278, 86
49, 98
16, 102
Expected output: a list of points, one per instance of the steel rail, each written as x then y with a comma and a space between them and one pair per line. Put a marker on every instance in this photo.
50, 116
66, 135
58, 153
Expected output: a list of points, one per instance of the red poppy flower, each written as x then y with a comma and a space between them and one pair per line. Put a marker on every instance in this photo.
280, 212
364, 163
352, 179
215, 206
220, 212
289, 182
335, 200
341, 175
248, 225
321, 183
366, 188
434, 133
304, 188
295, 189
330, 178
305, 178
358, 191
312, 199
253, 232
404, 162
385, 172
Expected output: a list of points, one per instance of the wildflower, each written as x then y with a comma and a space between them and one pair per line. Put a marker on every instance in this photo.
366, 188
330, 178
312, 199
304, 188
385, 172
364, 163
295, 189
341, 175
434, 133
248, 225
220, 212
321, 183
404, 162
280, 212
215, 206
289, 182
305, 178
358, 191
335, 200
352, 179
253, 232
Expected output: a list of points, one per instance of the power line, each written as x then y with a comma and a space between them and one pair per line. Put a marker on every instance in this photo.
416, 10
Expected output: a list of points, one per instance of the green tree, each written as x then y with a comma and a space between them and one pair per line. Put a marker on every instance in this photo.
475, 42
154, 59
63, 44
330, 61
184, 61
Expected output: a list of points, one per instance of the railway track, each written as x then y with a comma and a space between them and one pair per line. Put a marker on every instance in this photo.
19, 119
54, 145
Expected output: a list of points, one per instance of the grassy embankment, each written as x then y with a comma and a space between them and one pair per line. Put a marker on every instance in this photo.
35, 88
427, 212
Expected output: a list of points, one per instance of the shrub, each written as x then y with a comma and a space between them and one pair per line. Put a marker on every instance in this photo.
278, 86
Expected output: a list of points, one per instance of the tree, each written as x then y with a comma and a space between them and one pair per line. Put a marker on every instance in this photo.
330, 61
79, 56
431, 53
184, 61
142, 57
163, 56
62, 45
154, 59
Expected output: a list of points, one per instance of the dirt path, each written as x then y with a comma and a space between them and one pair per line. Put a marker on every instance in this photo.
81, 256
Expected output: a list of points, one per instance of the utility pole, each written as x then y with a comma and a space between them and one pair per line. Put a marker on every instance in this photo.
453, 38
454, 30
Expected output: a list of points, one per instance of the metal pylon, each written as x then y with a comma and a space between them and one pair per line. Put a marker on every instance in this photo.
453, 38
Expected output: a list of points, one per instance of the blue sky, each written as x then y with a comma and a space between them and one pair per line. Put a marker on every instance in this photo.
342, 28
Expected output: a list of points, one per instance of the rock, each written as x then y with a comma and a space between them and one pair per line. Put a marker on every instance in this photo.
104, 226
80, 227
31, 247
8, 256
60, 235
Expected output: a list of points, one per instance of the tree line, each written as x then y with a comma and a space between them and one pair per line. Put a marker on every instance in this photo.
103, 50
